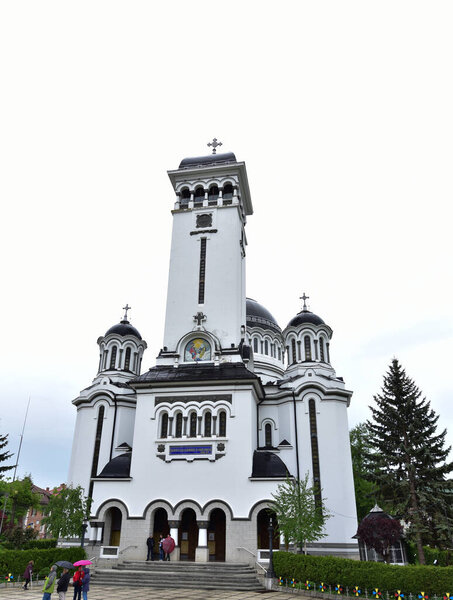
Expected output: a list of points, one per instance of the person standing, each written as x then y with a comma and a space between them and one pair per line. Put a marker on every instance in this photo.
49, 583
62, 584
150, 544
86, 584
28, 573
77, 579
161, 547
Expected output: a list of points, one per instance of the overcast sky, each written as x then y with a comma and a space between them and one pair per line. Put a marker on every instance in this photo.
343, 114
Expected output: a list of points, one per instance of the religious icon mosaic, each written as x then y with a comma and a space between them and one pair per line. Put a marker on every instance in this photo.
197, 350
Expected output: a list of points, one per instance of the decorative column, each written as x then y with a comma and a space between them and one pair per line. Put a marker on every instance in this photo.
202, 551
174, 526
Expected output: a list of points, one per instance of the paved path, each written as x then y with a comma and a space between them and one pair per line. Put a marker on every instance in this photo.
146, 593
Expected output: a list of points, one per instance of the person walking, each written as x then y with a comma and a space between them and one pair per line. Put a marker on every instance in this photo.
77, 579
150, 544
86, 584
28, 574
49, 583
62, 584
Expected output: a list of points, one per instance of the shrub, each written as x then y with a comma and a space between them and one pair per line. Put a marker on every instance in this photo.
444, 557
368, 575
47, 543
15, 561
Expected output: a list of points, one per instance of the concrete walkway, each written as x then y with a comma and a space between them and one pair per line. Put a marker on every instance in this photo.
119, 593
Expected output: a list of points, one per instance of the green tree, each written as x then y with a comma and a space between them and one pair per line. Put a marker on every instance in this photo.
362, 469
409, 457
4, 456
301, 516
380, 533
66, 511
20, 497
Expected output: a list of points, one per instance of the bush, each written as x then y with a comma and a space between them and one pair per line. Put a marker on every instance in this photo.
444, 557
15, 561
48, 543
367, 575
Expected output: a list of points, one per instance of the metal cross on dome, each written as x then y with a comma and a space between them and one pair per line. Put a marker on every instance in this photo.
199, 318
304, 297
126, 308
214, 145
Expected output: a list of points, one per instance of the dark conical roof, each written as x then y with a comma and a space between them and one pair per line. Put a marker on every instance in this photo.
119, 466
124, 328
305, 316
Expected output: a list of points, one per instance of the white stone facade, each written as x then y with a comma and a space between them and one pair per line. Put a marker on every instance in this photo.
198, 444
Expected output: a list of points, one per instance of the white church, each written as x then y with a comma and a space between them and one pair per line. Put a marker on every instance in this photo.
197, 444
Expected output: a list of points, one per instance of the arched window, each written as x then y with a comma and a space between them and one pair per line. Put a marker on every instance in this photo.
213, 194
255, 344
314, 450
222, 424
164, 426
127, 359
279, 353
185, 197
178, 432
307, 345
321, 349
97, 441
266, 347
199, 196
293, 350
207, 424
113, 357
193, 424
268, 435
227, 193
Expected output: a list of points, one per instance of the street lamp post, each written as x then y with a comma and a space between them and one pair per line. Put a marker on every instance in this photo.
84, 529
270, 574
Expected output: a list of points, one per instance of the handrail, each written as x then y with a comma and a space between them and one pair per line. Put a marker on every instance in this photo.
127, 548
247, 550
261, 566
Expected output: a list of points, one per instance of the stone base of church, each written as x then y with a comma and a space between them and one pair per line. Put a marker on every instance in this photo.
202, 554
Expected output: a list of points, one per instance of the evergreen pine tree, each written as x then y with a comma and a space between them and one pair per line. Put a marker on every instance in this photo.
410, 460
4, 455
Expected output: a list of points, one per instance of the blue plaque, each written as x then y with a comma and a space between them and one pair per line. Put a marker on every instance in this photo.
198, 450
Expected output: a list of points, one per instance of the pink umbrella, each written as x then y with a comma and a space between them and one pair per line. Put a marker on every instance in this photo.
168, 545
82, 563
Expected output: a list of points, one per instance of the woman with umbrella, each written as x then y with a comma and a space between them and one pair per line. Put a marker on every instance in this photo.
78, 577
168, 545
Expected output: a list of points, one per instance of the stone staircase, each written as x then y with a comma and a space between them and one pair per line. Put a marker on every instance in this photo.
189, 575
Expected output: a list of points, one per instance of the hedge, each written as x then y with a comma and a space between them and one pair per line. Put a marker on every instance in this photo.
368, 575
45, 543
444, 557
15, 561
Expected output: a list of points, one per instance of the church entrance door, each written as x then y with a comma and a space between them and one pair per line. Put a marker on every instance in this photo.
160, 528
216, 535
188, 534
115, 526
262, 525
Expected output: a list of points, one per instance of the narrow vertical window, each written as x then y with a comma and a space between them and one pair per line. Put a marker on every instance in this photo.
293, 350
193, 425
307, 345
315, 451
321, 349
113, 357
266, 347
97, 441
268, 435
222, 424
255, 344
201, 284
164, 426
178, 432
207, 424
279, 353
127, 359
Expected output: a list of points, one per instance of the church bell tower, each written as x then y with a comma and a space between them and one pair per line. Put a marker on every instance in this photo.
206, 284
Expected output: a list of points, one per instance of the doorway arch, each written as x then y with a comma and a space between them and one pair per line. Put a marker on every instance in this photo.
160, 527
216, 535
188, 534
114, 518
262, 527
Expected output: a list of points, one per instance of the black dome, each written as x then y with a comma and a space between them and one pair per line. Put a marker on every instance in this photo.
120, 466
305, 316
205, 161
258, 316
124, 328
268, 464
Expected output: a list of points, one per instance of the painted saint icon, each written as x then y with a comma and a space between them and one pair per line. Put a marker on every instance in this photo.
197, 350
